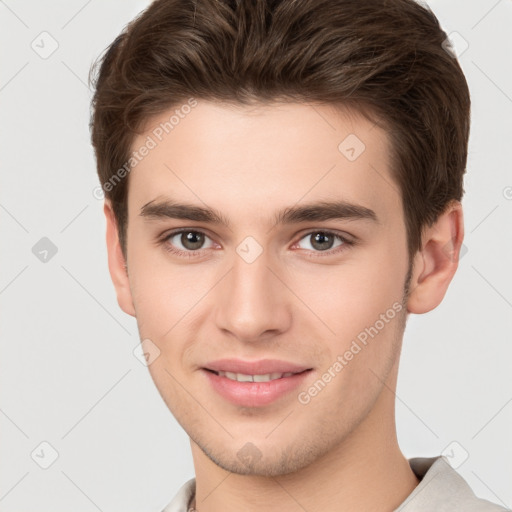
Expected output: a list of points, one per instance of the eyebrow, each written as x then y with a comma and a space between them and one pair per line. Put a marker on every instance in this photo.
311, 212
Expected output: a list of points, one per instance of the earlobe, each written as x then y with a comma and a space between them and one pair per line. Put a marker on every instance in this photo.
437, 262
117, 263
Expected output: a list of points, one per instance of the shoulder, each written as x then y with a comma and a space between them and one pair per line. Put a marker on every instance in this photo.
183, 497
442, 489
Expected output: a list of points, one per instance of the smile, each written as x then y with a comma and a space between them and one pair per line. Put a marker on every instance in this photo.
242, 377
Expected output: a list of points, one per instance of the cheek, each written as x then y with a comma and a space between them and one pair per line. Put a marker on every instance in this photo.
366, 317
166, 295
351, 295
361, 304
378, 281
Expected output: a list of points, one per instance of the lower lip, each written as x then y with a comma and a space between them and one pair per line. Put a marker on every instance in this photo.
254, 394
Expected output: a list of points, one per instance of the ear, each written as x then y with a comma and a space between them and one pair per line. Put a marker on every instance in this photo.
117, 263
435, 265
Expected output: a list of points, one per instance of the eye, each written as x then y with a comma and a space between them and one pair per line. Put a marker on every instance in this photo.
324, 241
186, 241
191, 242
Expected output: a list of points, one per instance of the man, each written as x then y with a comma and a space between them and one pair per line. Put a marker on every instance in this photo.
283, 183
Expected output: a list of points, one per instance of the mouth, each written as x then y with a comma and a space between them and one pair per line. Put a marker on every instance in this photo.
254, 384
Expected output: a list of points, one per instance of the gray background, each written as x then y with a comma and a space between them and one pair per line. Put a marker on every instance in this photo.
68, 374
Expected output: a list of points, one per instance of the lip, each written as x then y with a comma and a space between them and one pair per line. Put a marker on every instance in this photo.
261, 367
254, 394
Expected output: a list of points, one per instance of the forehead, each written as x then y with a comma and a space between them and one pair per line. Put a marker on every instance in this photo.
251, 157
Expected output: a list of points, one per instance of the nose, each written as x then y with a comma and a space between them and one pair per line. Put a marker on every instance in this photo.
252, 303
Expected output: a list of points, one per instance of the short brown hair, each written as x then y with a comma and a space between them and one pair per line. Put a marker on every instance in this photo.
388, 59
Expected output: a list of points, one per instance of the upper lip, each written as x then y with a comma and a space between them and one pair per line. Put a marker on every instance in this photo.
260, 367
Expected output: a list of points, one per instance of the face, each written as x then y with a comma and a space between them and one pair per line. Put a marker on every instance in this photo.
304, 264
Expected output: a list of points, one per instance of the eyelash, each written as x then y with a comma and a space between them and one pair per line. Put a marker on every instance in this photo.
195, 253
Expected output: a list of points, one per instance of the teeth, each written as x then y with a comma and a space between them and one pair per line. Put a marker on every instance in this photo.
242, 377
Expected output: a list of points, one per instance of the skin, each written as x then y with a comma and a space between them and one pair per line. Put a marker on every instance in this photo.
295, 302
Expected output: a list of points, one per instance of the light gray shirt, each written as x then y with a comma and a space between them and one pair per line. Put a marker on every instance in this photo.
441, 489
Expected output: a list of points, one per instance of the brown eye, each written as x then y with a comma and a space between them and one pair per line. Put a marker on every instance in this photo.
321, 241
192, 240
187, 241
